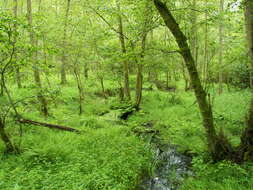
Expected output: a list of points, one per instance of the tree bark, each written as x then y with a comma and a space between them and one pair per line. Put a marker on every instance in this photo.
221, 36
215, 147
1, 85
123, 49
64, 56
34, 43
80, 88
18, 76
52, 126
101, 78
247, 136
139, 81
205, 64
139, 86
86, 71
9, 147
193, 36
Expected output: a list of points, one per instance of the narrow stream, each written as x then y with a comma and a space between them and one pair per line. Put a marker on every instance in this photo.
171, 169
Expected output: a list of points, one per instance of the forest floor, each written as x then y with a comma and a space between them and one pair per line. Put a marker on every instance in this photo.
107, 154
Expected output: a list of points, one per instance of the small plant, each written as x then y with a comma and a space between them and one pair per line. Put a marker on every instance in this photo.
175, 99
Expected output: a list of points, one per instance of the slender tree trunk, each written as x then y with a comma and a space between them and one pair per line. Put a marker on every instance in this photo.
186, 87
139, 86
34, 43
221, 31
167, 79
215, 147
64, 56
1, 85
139, 80
123, 49
101, 78
205, 67
15, 12
193, 37
86, 71
247, 136
80, 88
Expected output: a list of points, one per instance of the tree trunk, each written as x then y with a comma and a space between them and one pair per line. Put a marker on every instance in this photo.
221, 29
215, 147
167, 79
80, 89
186, 79
205, 64
1, 85
34, 43
247, 136
102, 85
123, 49
9, 147
86, 71
193, 37
139, 86
48, 125
15, 13
249, 31
139, 77
64, 56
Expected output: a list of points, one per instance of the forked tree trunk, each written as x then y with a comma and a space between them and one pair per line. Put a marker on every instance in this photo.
34, 43
215, 147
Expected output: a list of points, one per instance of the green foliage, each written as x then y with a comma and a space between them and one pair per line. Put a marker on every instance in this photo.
221, 176
107, 154
240, 75
104, 159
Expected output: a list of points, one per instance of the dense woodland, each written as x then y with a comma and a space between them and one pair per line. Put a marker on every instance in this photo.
90, 90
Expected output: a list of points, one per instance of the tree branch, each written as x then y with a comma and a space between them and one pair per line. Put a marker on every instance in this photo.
52, 126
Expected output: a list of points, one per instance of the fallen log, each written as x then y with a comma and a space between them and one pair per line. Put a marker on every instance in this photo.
52, 126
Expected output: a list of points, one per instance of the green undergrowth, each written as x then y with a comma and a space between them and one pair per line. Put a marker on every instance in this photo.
108, 158
104, 156
220, 176
110, 155
177, 118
